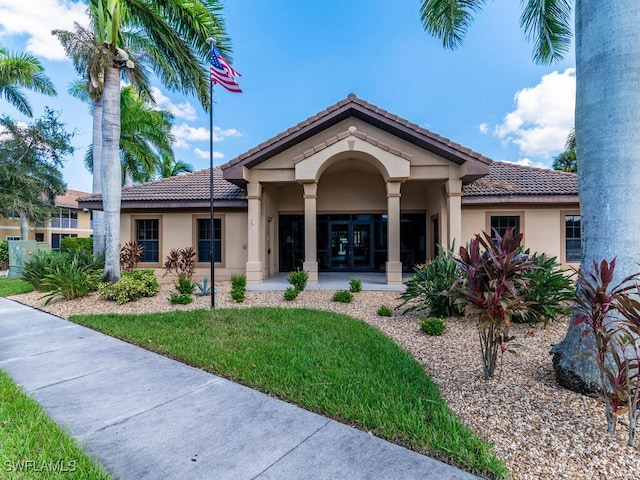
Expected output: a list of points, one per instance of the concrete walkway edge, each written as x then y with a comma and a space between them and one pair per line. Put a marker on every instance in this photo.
144, 416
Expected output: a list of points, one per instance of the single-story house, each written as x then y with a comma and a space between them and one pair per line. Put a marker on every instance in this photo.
69, 220
352, 188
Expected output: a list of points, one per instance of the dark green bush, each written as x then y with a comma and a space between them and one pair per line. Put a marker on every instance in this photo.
384, 311
4, 255
298, 278
548, 293
130, 287
433, 326
76, 243
355, 285
343, 296
238, 287
291, 293
70, 280
180, 298
42, 264
185, 286
429, 286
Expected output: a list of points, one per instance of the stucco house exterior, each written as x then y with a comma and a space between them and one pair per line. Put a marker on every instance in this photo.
68, 221
352, 188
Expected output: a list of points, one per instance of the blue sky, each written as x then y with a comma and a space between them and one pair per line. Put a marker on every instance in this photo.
297, 58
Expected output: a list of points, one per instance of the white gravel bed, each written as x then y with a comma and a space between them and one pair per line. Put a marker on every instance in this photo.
540, 430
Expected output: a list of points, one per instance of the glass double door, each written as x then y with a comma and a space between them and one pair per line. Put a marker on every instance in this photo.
350, 246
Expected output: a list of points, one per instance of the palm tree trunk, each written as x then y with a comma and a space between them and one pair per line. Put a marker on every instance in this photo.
111, 172
24, 227
607, 122
98, 216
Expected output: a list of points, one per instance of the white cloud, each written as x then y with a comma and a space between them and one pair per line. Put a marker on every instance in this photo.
181, 110
185, 133
543, 115
484, 128
205, 154
527, 162
36, 18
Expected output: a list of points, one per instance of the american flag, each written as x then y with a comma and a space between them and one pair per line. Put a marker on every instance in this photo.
222, 72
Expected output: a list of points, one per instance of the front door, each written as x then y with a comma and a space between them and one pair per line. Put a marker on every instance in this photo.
350, 247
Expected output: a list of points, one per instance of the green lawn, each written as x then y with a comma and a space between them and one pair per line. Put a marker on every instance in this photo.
13, 286
32, 446
325, 362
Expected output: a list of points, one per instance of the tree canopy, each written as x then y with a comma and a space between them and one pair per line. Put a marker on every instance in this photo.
31, 157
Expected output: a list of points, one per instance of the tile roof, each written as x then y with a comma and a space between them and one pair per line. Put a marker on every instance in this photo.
187, 187
354, 106
509, 179
70, 198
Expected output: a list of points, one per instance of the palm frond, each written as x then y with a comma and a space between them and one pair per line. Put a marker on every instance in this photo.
547, 24
449, 19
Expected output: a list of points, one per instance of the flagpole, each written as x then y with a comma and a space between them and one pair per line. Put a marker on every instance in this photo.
212, 230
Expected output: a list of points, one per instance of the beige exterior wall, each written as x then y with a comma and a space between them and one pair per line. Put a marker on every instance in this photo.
178, 230
11, 228
542, 226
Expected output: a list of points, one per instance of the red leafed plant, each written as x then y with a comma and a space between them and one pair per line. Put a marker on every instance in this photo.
493, 277
181, 262
612, 317
130, 255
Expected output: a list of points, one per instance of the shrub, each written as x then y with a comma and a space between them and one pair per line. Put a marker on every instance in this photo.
616, 341
76, 243
291, 293
130, 255
4, 255
355, 285
343, 296
548, 292
70, 280
203, 288
238, 287
130, 287
430, 285
298, 278
185, 286
42, 264
181, 262
180, 298
384, 311
490, 290
433, 326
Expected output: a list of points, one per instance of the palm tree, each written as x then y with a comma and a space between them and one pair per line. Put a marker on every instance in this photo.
567, 161
170, 167
21, 70
607, 68
84, 48
145, 137
172, 35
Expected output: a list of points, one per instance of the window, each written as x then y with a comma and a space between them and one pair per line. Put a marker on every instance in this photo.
501, 223
148, 235
39, 237
56, 238
203, 237
573, 241
9, 238
65, 218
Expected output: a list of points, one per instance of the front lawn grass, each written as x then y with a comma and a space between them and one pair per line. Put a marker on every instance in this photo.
32, 446
322, 361
14, 286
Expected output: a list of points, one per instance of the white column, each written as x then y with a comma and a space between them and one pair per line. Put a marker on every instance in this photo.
310, 231
393, 266
254, 245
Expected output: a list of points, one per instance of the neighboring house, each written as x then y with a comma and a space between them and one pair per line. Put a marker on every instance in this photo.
352, 189
69, 221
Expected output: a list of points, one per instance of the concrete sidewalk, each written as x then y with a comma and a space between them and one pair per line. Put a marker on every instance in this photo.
144, 416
